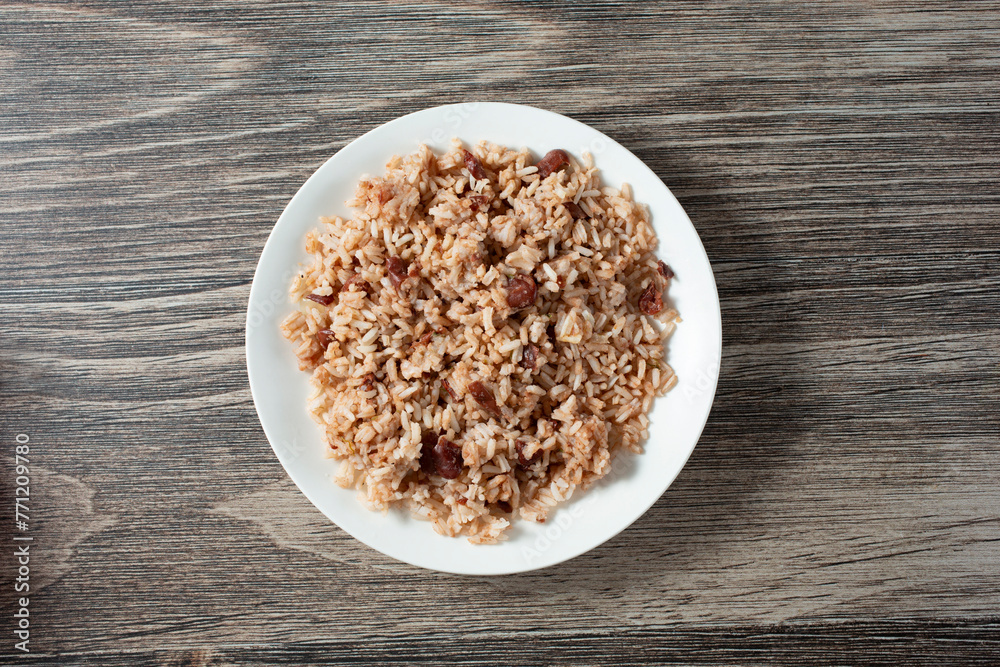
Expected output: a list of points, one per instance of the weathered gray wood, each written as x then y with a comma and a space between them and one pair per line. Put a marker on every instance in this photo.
841, 161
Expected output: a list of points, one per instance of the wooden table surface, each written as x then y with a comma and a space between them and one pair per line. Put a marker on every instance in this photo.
841, 162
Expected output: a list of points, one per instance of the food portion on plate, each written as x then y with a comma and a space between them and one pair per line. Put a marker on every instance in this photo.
484, 333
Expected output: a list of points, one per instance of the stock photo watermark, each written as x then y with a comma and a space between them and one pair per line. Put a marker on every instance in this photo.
569, 515
290, 450
264, 307
701, 382
22, 542
455, 117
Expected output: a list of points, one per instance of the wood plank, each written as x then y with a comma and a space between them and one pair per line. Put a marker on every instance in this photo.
841, 162
884, 643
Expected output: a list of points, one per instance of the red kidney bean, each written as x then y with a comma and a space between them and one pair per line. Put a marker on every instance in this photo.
529, 358
651, 301
523, 461
448, 388
325, 300
479, 202
355, 279
427, 439
574, 210
324, 337
484, 396
521, 291
397, 271
440, 456
665, 270
474, 166
553, 161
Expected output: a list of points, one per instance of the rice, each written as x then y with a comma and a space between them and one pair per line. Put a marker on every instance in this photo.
479, 337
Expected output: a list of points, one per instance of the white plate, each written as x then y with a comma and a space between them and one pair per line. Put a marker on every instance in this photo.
591, 517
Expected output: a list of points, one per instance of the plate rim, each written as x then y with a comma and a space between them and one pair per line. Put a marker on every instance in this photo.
254, 296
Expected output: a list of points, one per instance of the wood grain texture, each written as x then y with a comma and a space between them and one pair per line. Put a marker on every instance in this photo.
841, 162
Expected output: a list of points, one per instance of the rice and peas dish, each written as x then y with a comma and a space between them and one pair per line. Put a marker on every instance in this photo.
485, 334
